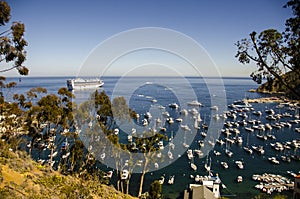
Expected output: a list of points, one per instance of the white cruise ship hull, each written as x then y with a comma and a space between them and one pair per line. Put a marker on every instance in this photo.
80, 84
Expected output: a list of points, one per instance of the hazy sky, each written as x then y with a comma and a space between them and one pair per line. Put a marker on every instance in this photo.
62, 34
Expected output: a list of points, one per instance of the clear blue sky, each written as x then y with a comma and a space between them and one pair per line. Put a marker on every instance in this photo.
61, 34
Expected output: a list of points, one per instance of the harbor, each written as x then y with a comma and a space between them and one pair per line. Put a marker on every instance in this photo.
253, 139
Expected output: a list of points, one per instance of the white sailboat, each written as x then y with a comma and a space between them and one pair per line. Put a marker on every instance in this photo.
207, 165
171, 180
190, 154
247, 148
193, 166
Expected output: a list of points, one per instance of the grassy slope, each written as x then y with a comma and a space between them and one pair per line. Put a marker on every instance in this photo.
20, 177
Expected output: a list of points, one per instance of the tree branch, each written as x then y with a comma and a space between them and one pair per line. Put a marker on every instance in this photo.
282, 61
7, 69
264, 64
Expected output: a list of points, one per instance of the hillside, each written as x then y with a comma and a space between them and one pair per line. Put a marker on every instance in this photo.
21, 177
276, 87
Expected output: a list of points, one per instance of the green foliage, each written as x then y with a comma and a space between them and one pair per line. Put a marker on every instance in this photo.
51, 181
155, 191
77, 154
273, 52
278, 196
265, 196
12, 42
120, 109
4, 13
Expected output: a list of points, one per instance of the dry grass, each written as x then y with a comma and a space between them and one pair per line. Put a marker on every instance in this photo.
20, 177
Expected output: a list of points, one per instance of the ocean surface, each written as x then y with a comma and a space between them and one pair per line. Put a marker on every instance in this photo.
145, 94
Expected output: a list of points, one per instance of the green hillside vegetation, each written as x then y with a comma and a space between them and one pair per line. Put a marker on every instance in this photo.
276, 87
21, 177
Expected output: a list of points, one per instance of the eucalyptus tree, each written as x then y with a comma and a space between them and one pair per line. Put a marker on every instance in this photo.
148, 147
11, 123
276, 54
12, 42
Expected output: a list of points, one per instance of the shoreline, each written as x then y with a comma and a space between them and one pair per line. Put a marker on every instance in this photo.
272, 99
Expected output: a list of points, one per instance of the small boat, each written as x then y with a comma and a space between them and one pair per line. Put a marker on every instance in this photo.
241, 104
199, 153
197, 178
170, 155
248, 149
185, 127
270, 111
201, 143
116, 131
194, 103
174, 105
190, 154
224, 165
239, 179
214, 108
79, 83
207, 165
239, 164
66, 155
29, 145
273, 160
161, 145
262, 137
183, 112
129, 138
259, 149
217, 153
220, 141
170, 120
124, 174
161, 180
239, 140
193, 166
171, 180
178, 119
249, 129
203, 134
102, 156
109, 174
148, 115
259, 113
145, 122
228, 153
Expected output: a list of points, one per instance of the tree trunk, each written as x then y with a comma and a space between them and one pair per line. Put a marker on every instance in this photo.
143, 175
118, 184
51, 154
141, 184
122, 186
127, 184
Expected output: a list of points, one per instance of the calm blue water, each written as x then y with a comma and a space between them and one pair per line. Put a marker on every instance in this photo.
140, 93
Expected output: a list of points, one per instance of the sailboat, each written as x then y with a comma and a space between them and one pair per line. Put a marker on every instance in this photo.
227, 151
171, 180
193, 166
247, 148
207, 165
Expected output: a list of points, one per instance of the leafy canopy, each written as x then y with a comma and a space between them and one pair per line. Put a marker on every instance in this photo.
12, 42
273, 52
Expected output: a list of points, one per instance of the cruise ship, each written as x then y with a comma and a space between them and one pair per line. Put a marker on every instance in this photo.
79, 83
